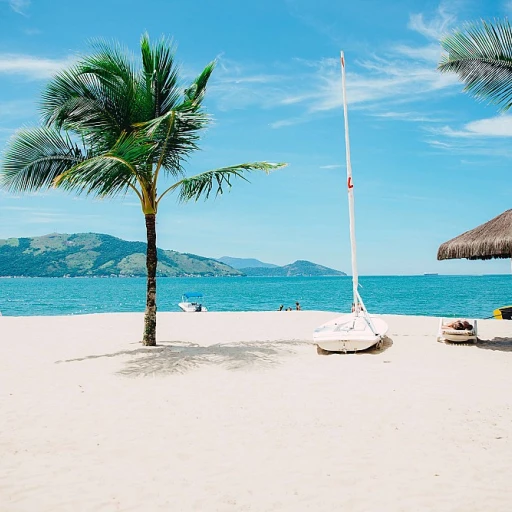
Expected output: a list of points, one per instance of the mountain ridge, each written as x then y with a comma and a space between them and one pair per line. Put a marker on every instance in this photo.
101, 255
299, 268
239, 263
97, 255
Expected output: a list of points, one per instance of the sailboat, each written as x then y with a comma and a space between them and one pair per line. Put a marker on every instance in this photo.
357, 330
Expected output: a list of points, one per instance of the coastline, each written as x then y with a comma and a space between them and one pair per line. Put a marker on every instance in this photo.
450, 296
236, 411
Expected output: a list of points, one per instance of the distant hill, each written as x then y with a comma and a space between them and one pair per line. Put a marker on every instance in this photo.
245, 262
299, 268
92, 254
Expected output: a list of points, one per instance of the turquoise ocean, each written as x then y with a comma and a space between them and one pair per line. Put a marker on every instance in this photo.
470, 296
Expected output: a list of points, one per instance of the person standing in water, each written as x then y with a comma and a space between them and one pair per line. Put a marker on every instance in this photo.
297, 306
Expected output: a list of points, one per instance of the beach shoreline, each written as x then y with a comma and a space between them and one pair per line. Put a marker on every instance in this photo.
236, 411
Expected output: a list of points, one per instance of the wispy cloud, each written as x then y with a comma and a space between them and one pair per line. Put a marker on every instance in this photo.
30, 66
436, 26
288, 122
396, 75
314, 86
331, 166
236, 86
499, 126
440, 144
18, 6
429, 53
416, 117
32, 215
485, 137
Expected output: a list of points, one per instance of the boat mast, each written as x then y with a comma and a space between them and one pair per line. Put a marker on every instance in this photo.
350, 187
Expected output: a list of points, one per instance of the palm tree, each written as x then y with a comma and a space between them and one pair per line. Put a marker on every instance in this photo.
111, 127
481, 54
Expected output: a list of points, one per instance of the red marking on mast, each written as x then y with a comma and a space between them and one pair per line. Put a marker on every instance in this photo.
343, 61
349, 183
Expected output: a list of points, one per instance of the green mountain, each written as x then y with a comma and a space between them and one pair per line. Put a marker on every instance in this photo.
300, 268
244, 262
92, 254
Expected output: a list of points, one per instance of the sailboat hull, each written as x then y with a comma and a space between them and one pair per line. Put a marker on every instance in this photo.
350, 333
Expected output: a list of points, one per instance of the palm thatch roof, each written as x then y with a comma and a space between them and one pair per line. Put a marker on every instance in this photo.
490, 240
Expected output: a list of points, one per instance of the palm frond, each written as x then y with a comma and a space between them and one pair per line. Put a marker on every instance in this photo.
195, 93
111, 173
160, 75
175, 135
202, 185
481, 54
97, 93
179, 120
35, 157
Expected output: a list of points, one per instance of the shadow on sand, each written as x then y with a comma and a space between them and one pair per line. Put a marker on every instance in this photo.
376, 349
501, 344
174, 357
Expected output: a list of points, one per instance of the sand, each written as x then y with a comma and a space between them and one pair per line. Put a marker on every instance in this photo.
237, 412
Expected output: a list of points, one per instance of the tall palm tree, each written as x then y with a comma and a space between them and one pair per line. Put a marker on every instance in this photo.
112, 127
481, 54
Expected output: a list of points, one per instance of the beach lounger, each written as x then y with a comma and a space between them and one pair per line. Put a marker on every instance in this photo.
449, 332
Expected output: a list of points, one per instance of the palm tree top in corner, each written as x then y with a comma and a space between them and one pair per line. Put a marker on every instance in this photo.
111, 127
481, 54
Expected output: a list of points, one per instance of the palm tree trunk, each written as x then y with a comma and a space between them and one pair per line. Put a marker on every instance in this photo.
149, 338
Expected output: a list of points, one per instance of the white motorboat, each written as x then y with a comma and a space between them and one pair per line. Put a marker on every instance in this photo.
192, 306
357, 330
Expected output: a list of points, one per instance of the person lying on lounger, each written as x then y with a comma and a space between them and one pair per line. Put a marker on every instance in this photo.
460, 325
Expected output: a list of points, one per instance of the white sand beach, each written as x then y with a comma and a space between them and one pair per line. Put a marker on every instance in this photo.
238, 412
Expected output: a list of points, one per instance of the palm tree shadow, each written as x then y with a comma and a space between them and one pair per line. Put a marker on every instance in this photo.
386, 343
497, 343
177, 357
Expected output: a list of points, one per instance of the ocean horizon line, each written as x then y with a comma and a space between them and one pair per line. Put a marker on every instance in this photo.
115, 276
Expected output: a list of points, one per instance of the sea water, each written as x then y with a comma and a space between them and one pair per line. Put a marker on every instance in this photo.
469, 296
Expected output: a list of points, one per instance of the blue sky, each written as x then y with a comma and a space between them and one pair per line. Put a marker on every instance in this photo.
429, 162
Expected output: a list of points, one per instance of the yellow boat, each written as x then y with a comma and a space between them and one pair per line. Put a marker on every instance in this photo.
503, 313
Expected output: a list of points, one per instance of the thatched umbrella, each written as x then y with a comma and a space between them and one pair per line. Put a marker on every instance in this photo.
490, 240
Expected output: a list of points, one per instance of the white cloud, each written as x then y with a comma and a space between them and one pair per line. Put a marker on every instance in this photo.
484, 137
31, 66
288, 122
402, 74
499, 126
332, 166
19, 6
376, 80
440, 144
407, 116
396, 75
435, 27
235, 86
430, 53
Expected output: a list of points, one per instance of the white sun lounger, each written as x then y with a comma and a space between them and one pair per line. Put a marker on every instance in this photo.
447, 333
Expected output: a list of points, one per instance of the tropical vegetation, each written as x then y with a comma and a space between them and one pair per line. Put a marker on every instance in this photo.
113, 126
98, 255
481, 54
